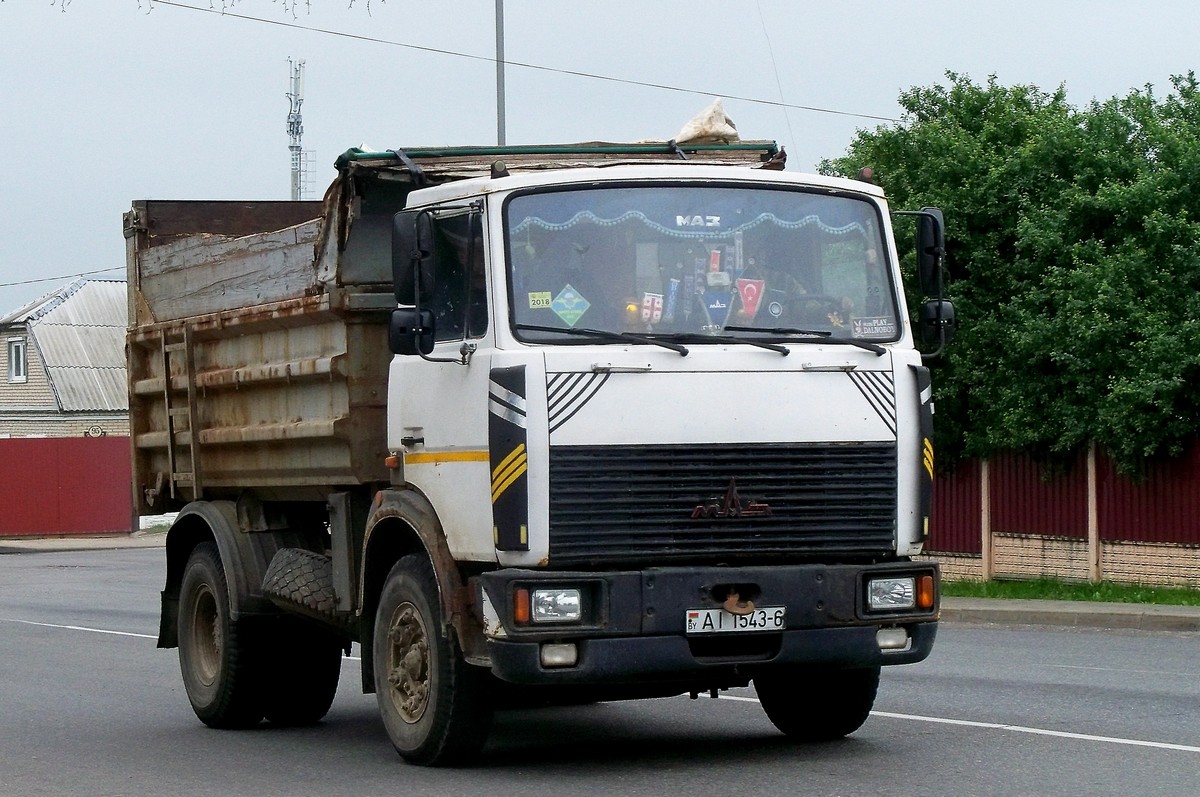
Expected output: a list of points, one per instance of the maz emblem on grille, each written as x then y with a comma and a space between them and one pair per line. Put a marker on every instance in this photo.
731, 506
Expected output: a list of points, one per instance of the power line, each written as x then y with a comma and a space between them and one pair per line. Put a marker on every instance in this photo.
775, 66
537, 67
63, 277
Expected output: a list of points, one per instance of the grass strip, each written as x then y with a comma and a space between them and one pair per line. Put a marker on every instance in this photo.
1050, 589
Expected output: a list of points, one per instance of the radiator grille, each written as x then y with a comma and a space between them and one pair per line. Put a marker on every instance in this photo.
611, 504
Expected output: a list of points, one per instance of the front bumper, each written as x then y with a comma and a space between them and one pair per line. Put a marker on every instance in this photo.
634, 627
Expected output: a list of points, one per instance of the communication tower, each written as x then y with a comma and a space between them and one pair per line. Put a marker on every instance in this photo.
295, 128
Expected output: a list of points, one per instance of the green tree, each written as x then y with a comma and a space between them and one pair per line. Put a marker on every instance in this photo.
1074, 251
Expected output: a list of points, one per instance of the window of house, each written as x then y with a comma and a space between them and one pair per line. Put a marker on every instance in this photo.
17, 370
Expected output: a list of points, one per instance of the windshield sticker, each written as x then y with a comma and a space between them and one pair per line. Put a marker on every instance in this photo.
569, 305
775, 299
751, 292
716, 305
718, 279
872, 327
672, 300
652, 308
540, 300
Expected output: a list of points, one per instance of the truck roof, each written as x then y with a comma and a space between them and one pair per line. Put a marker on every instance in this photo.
431, 165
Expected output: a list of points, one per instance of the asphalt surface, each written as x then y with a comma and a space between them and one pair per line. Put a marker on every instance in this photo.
1081, 614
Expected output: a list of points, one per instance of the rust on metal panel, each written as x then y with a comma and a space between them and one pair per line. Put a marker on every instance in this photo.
167, 220
413, 511
300, 310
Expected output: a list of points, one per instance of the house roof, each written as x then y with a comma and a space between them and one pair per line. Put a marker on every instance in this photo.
79, 331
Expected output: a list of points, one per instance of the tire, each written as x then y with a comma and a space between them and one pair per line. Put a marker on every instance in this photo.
219, 673
435, 706
818, 704
304, 667
300, 580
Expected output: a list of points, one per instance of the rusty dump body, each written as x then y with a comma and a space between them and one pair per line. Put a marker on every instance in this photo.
257, 340
253, 363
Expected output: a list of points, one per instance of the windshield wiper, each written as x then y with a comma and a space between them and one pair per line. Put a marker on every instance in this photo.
604, 334
828, 337
698, 337
821, 333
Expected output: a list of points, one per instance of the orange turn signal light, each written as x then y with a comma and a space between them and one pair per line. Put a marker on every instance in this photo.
925, 592
521, 605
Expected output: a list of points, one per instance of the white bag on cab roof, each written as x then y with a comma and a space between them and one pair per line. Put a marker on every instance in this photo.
710, 126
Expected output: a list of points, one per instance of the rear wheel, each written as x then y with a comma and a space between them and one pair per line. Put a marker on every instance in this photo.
818, 704
218, 669
434, 705
305, 665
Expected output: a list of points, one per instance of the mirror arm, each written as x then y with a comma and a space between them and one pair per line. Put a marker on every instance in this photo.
941, 347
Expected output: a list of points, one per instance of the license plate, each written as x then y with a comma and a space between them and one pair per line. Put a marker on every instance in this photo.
719, 621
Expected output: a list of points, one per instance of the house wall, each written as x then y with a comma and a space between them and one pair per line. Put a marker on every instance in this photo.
22, 399
49, 424
30, 409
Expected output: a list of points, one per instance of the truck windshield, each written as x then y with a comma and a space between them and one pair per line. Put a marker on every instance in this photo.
692, 261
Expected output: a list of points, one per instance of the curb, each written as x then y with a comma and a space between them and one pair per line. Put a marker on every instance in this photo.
141, 539
1079, 614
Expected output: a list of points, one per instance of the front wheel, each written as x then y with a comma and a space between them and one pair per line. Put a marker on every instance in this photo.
816, 704
434, 705
219, 672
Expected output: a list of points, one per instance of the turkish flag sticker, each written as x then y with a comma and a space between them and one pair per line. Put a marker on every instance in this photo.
751, 292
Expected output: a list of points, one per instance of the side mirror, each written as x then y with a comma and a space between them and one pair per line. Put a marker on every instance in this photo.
413, 254
931, 245
938, 322
411, 331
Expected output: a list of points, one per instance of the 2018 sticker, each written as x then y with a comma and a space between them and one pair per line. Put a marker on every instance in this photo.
540, 300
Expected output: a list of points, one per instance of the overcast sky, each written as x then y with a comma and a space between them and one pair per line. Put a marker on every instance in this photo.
115, 100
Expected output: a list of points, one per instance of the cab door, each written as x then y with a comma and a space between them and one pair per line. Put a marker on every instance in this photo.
438, 416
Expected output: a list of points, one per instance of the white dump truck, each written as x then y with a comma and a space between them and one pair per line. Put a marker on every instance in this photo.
537, 425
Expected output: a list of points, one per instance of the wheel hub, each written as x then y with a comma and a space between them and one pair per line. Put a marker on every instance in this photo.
408, 663
206, 637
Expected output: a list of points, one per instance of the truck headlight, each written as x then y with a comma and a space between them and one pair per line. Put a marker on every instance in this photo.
556, 605
892, 593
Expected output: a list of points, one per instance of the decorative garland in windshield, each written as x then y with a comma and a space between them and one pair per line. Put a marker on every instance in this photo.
708, 232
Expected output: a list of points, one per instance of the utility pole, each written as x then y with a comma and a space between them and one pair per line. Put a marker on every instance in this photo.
295, 127
500, 73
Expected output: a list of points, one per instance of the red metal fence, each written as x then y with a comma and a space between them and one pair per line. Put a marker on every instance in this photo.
1025, 498
957, 505
57, 486
1163, 507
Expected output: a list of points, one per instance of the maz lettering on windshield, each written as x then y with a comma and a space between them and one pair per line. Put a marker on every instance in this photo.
697, 221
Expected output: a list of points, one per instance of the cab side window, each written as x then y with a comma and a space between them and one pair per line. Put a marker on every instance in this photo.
460, 284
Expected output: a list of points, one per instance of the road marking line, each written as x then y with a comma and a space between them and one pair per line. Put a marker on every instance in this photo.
106, 631
1087, 737
999, 726
1120, 670
80, 628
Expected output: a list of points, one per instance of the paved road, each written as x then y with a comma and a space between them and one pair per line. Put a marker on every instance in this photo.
88, 706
